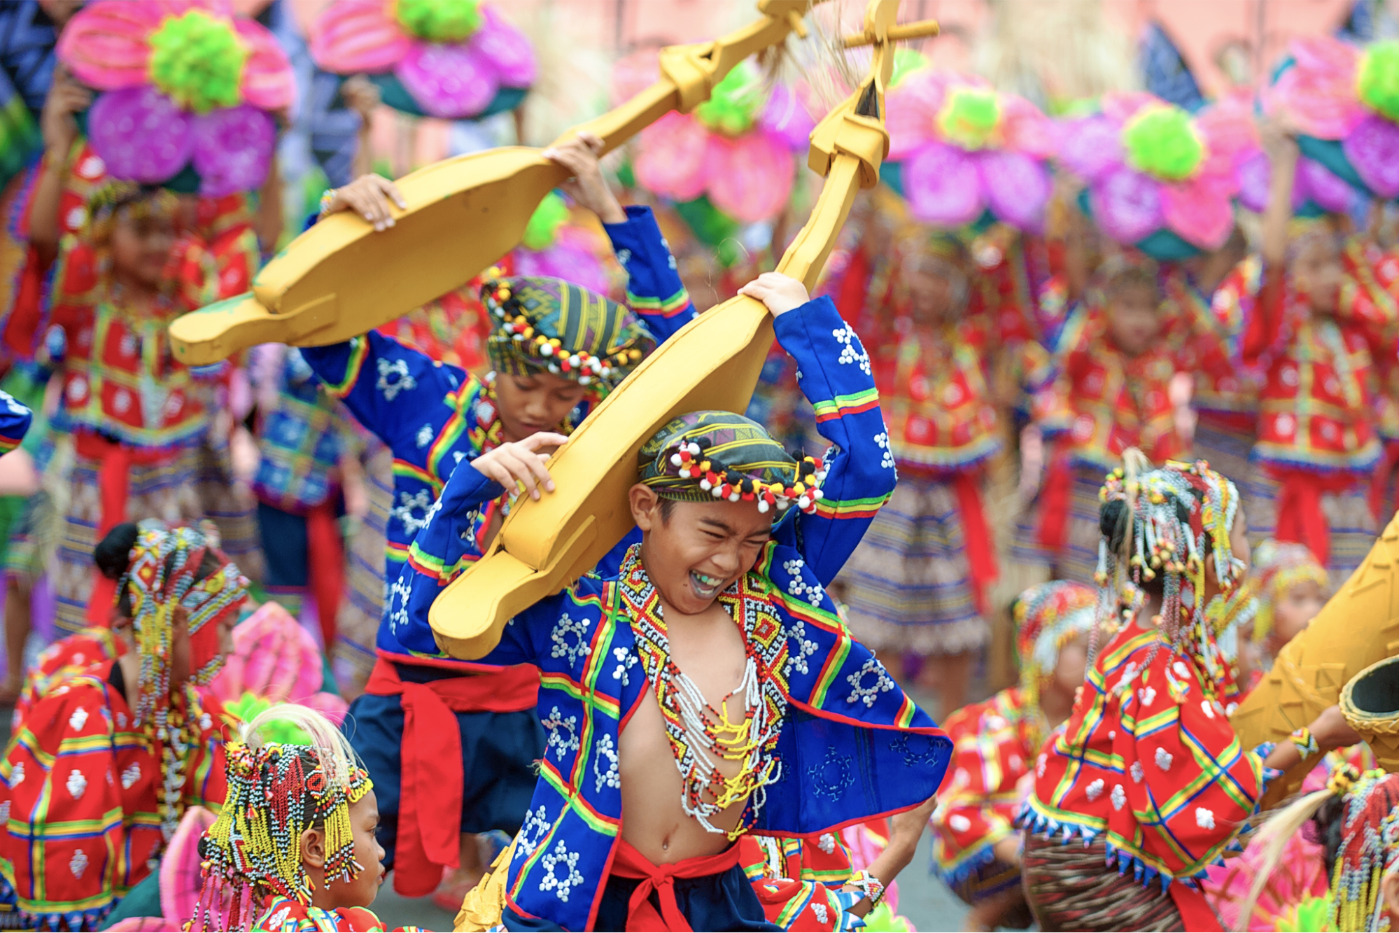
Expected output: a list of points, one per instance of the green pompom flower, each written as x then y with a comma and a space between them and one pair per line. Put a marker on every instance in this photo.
1313, 914
439, 20
249, 707
197, 61
1161, 141
734, 105
1377, 79
884, 920
969, 117
543, 227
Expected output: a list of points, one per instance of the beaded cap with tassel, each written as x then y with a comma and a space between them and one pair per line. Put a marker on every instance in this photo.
276, 792
1181, 516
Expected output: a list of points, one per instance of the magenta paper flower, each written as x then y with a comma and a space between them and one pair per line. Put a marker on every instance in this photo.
184, 83
1154, 173
1344, 102
456, 59
958, 148
1229, 123
736, 148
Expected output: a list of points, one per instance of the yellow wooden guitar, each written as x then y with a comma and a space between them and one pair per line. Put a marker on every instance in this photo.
712, 363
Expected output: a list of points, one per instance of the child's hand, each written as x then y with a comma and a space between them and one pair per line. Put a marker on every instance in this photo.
587, 186
65, 98
781, 293
360, 95
522, 462
368, 196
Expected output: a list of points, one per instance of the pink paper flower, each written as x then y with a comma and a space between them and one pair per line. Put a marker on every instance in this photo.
737, 148
1151, 167
962, 148
453, 57
182, 81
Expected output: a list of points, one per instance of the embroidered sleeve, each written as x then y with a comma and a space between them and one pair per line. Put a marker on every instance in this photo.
441, 550
15, 420
654, 289
1187, 784
60, 781
833, 371
383, 382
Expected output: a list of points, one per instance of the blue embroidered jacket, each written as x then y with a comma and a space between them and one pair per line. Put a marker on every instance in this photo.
851, 746
430, 414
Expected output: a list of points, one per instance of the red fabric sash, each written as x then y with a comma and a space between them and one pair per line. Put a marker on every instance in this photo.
629, 863
981, 554
1300, 518
326, 567
429, 812
113, 484
1196, 915
1055, 496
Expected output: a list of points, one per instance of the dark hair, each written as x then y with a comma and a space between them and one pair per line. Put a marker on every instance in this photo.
666, 506
1114, 524
1132, 277
113, 558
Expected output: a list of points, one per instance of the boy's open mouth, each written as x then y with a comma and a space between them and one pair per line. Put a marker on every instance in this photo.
705, 586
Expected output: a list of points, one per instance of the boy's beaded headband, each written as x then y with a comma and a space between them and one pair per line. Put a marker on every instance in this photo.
687, 461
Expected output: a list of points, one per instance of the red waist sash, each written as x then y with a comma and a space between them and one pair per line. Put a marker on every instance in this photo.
629, 863
429, 813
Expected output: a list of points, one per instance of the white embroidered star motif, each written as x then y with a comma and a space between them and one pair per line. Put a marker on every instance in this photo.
563, 733
76, 784
626, 660
796, 634
563, 646
826, 843
1146, 695
17, 774
1118, 797
1204, 818
78, 719
78, 863
1095, 790
560, 857
859, 692
279, 919
425, 435
1137, 772
131, 775
623, 256
1207, 709
394, 378
399, 591
535, 827
1039, 765
959, 822
1163, 759
413, 511
608, 778
882, 439
819, 910
851, 350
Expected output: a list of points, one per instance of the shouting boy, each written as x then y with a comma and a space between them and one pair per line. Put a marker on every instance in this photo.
708, 688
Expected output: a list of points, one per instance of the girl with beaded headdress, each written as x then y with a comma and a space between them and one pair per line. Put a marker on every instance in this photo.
293, 847
98, 775
1148, 772
976, 850
1290, 587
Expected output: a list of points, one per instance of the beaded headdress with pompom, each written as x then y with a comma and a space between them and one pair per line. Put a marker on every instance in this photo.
708, 455
1180, 516
543, 324
276, 792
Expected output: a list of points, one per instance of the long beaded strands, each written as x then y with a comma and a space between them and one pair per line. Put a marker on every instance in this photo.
700, 734
275, 793
1180, 516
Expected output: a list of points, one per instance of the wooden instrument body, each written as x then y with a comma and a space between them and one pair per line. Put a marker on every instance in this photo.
1357, 628
713, 362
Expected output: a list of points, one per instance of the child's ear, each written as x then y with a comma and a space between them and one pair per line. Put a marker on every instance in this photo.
313, 848
644, 506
